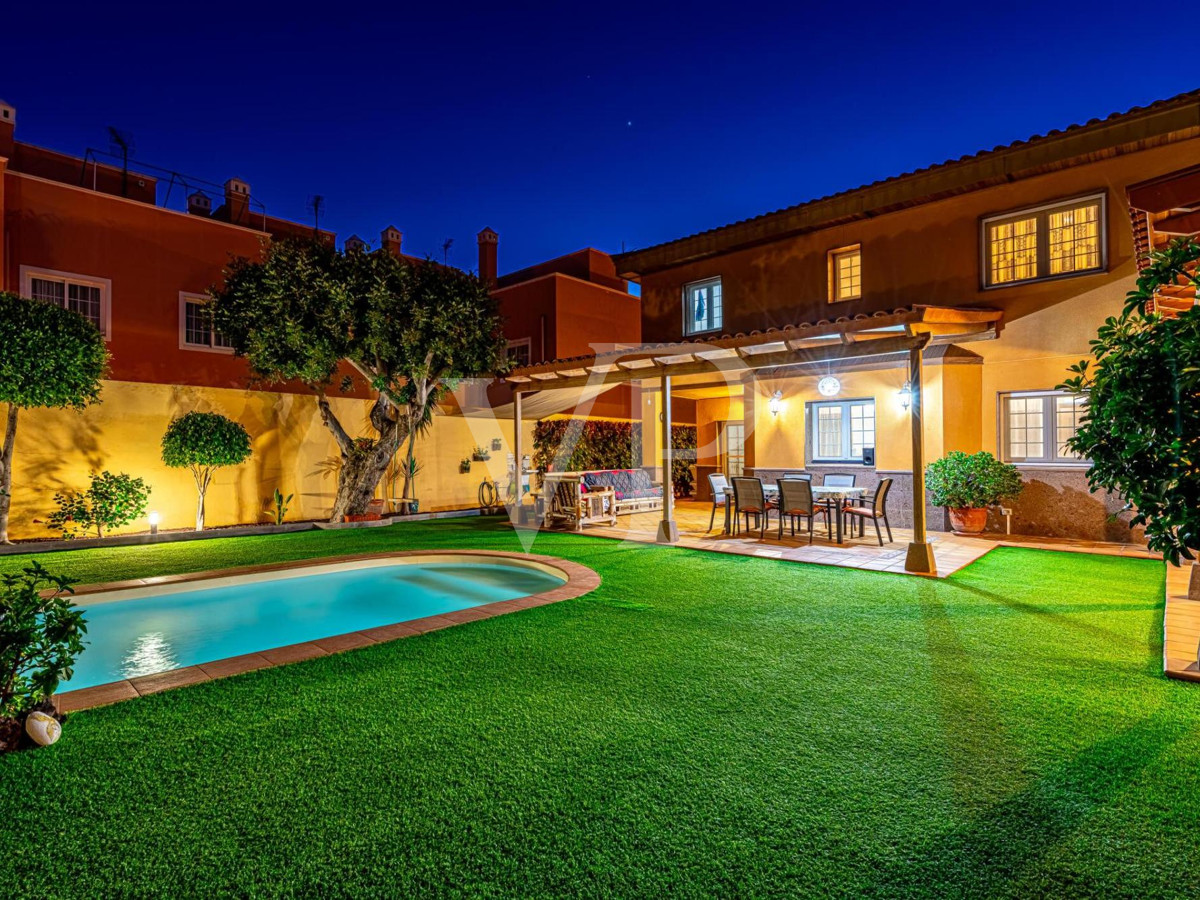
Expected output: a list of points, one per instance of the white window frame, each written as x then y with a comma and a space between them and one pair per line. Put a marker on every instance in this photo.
527, 343
717, 324
1050, 457
185, 298
28, 273
834, 282
1042, 214
814, 408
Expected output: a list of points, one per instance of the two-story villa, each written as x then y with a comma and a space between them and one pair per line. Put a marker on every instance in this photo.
1032, 241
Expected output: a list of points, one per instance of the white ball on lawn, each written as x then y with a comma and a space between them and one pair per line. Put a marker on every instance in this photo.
44, 729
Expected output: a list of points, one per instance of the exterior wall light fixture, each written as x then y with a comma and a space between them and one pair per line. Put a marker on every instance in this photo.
906, 395
776, 403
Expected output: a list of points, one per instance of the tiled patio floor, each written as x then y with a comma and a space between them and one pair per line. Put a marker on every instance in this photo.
951, 551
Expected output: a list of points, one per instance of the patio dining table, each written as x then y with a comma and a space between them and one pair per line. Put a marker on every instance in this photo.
831, 495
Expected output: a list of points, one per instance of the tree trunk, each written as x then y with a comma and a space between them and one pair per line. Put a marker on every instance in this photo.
363, 468
203, 477
10, 438
360, 475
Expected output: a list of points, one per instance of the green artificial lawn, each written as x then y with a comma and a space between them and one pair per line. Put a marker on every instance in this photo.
701, 724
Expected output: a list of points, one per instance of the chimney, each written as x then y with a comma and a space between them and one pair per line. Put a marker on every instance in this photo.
392, 239
8, 125
488, 245
199, 204
355, 244
237, 200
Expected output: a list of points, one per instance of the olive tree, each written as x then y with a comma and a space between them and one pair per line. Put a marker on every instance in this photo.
50, 357
408, 330
202, 443
1141, 427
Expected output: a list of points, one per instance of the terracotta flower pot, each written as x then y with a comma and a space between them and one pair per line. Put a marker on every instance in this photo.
968, 520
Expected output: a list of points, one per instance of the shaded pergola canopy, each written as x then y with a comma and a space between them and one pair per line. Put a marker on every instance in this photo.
823, 343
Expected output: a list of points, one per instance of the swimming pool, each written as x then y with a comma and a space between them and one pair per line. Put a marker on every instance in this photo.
145, 630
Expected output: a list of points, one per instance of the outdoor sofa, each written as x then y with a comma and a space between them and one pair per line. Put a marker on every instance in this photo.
599, 495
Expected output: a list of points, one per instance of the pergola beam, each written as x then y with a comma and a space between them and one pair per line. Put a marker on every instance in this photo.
736, 366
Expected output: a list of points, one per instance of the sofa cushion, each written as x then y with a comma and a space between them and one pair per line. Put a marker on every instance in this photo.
627, 484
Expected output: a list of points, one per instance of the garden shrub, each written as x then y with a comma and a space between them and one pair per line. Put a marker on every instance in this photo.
40, 638
971, 480
110, 501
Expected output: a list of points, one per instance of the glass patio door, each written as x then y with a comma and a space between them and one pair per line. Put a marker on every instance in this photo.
731, 445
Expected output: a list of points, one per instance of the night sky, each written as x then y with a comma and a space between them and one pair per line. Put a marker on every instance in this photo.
566, 125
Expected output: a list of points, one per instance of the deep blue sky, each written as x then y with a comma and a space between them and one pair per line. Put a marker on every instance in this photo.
566, 125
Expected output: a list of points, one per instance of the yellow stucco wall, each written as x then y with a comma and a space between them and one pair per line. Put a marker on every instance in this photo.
952, 414
1034, 352
779, 440
292, 451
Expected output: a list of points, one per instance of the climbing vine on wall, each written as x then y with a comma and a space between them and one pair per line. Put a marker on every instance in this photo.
574, 445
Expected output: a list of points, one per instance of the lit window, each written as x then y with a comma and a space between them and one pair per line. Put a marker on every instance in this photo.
842, 430
1075, 239
1035, 427
702, 306
1013, 250
518, 352
196, 325
845, 274
82, 294
1047, 242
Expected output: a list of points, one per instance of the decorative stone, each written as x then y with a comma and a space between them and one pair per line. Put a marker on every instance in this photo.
42, 728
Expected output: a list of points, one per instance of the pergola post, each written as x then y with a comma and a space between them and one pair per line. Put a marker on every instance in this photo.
920, 554
668, 530
518, 455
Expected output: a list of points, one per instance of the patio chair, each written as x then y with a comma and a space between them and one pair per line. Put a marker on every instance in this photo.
796, 501
719, 485
837, 479
876, 511
750, 500
796, 476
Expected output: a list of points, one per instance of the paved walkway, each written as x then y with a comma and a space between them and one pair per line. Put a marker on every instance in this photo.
951, 551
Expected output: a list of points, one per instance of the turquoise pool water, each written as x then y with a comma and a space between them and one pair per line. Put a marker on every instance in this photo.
156, 629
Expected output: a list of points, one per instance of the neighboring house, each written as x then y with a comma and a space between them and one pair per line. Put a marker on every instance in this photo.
109, 244
1038, 230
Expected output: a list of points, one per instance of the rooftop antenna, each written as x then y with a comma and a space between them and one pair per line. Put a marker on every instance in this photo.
121, 144
446, 250
316, 203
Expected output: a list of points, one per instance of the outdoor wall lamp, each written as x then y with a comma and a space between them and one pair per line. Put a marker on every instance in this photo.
153, 519
776, 403
906, 395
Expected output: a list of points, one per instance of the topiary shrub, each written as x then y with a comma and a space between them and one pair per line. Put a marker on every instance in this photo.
41, 634
110, 501
202, 443
50, 357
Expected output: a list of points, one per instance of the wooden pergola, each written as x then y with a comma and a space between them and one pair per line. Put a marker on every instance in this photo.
799, 349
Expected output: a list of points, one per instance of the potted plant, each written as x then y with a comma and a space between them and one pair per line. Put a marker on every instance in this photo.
481, 454
464, 465
967, 484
